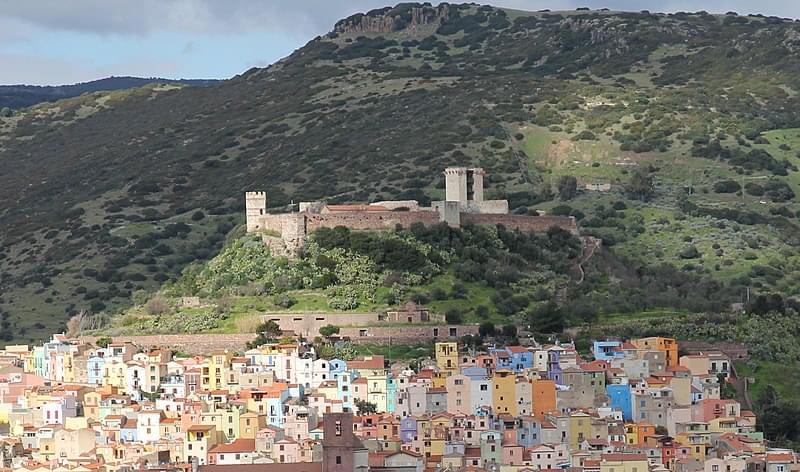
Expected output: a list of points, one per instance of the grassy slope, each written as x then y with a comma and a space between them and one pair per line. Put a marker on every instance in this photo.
333, 120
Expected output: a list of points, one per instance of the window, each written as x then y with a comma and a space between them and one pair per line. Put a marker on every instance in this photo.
338, 459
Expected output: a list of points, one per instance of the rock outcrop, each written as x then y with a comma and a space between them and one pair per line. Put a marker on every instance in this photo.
388, 20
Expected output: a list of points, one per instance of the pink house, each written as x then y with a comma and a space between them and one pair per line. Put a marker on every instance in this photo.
709, 409
286, 450
512, 454
543, 457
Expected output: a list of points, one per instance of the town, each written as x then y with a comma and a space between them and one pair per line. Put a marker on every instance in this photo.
629, 406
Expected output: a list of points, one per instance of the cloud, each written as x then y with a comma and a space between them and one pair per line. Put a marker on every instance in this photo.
58, 41
294, 17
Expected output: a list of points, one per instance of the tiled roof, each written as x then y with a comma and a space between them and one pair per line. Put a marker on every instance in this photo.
239, 445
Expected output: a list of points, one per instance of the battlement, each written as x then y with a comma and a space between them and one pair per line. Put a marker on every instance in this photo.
287, 233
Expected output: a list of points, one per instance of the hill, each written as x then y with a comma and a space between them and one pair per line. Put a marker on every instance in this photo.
691, 119
23, 96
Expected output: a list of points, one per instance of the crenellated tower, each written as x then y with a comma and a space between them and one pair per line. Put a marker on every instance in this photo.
255, 209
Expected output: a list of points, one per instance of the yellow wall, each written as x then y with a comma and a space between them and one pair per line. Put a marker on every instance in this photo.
503, 392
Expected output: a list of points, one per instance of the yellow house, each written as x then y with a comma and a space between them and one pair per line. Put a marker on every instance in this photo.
440, 426
250, 423
504, 392
623, 463
373, 370
214, 371
114, 375
447, 358
631, 433
439, 379
723, 425
580, 429
697, 437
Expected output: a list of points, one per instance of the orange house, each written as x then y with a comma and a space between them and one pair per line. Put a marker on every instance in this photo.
667, 345
544, 397
644, 431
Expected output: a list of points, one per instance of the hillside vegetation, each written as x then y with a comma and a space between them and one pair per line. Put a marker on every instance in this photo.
691, 118
22, 96
473, 274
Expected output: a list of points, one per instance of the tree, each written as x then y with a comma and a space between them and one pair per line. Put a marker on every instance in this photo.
640, 185
567, 187
157, 305
365, 408
329, 330
547, 318
268, 332
486, 329
509, 331
103, 342
453, 316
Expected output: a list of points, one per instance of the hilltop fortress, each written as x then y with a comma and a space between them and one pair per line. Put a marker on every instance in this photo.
286, 233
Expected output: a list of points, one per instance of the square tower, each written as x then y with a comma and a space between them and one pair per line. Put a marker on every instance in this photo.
455, 183
255, 207
463, 185
342, 451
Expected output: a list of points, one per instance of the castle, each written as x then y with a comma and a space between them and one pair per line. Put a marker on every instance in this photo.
286, 233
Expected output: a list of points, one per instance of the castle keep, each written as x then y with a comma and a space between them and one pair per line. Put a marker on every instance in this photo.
286, 233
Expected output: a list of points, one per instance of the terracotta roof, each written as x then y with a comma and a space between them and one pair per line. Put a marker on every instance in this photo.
201, 427
239, 445
376, 362
780, 457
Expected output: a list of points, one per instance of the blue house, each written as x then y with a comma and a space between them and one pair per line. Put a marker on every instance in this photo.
128, 432
529, 432
408, 429
607, 350
620, 399
391, 393
94, 370
516, 358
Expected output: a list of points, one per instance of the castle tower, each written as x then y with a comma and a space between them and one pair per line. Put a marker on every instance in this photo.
255, 207
476, 190
342, 451
455, 183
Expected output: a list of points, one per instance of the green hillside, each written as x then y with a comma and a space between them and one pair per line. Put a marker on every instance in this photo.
475, 274
693, 119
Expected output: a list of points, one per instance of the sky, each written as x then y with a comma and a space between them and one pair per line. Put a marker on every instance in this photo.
50, 42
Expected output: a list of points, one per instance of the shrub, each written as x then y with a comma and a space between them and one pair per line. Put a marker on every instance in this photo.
727, 186
284, 300
157, 305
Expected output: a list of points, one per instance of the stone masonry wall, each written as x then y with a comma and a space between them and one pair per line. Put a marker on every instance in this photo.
188, 343
534, 224
405, 334
372, 220
206, 343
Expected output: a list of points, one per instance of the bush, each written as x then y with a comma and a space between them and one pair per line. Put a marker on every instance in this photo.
727, 186
453, 316
157, 305
690, 252
284, 300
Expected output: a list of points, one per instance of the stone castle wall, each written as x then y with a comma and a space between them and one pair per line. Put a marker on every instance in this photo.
372, 220
524, 223
308, 324
406, 334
